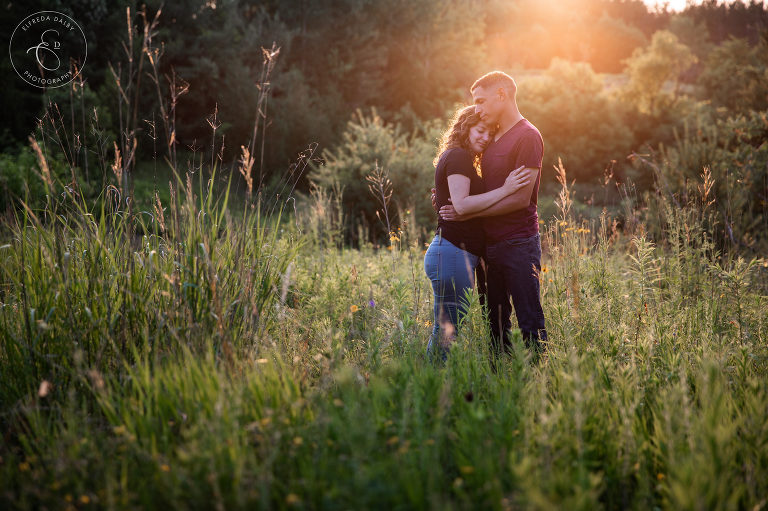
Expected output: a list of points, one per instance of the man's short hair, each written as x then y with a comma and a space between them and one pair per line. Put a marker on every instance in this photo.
496, 79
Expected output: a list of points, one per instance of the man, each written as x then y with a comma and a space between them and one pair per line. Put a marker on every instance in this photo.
513, 250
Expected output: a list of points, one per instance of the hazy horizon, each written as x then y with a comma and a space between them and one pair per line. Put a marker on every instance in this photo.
679, 5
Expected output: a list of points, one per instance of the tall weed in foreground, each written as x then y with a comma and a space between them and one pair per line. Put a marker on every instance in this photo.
78, 287
103, 283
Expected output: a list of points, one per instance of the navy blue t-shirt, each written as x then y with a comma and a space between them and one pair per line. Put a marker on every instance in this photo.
520, 145
468, 234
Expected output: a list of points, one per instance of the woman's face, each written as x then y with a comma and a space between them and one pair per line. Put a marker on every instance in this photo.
479, 137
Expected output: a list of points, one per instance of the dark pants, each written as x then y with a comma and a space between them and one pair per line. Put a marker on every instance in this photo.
513, 272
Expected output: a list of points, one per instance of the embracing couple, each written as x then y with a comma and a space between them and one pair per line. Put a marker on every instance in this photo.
487, 174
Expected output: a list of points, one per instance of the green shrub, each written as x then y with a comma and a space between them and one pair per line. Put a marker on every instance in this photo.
736, 76
21, 178
734, 152
370, 143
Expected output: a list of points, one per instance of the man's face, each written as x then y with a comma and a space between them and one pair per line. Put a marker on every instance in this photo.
488, 103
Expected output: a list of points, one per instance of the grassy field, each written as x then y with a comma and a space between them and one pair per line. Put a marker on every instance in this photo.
226, 361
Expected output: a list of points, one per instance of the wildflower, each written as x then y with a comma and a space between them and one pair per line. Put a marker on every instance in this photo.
458, 482
338, 403
353, 308
393, 440
371, 303
165, 468
292, 499
660, 476
466, 469
262, 361
298, 441
68, 497
23, 466
84, 499
544, 269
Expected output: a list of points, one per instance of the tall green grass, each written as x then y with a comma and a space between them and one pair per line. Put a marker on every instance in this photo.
101, 286
219, 362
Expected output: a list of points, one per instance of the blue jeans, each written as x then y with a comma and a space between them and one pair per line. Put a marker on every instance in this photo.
452, 272
515, 266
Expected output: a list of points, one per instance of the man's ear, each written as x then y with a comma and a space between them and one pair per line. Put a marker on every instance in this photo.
502, 92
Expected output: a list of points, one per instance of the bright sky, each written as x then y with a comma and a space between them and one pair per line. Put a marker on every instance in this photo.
675, 5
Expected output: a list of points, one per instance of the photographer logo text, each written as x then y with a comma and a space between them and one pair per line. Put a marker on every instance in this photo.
48, 49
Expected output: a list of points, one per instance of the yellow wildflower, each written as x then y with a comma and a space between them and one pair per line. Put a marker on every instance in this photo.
353, 308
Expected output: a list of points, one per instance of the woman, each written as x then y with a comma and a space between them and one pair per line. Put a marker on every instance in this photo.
455, 251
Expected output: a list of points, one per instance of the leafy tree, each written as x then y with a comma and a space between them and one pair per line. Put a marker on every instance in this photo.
579, 121
735, 76
731, 19
654, 72
612, 41
694, 34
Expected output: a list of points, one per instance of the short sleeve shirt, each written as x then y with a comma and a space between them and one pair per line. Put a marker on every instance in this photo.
520, 145
467, 234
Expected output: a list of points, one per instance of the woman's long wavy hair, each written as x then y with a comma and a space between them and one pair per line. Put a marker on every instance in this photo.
458, 134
